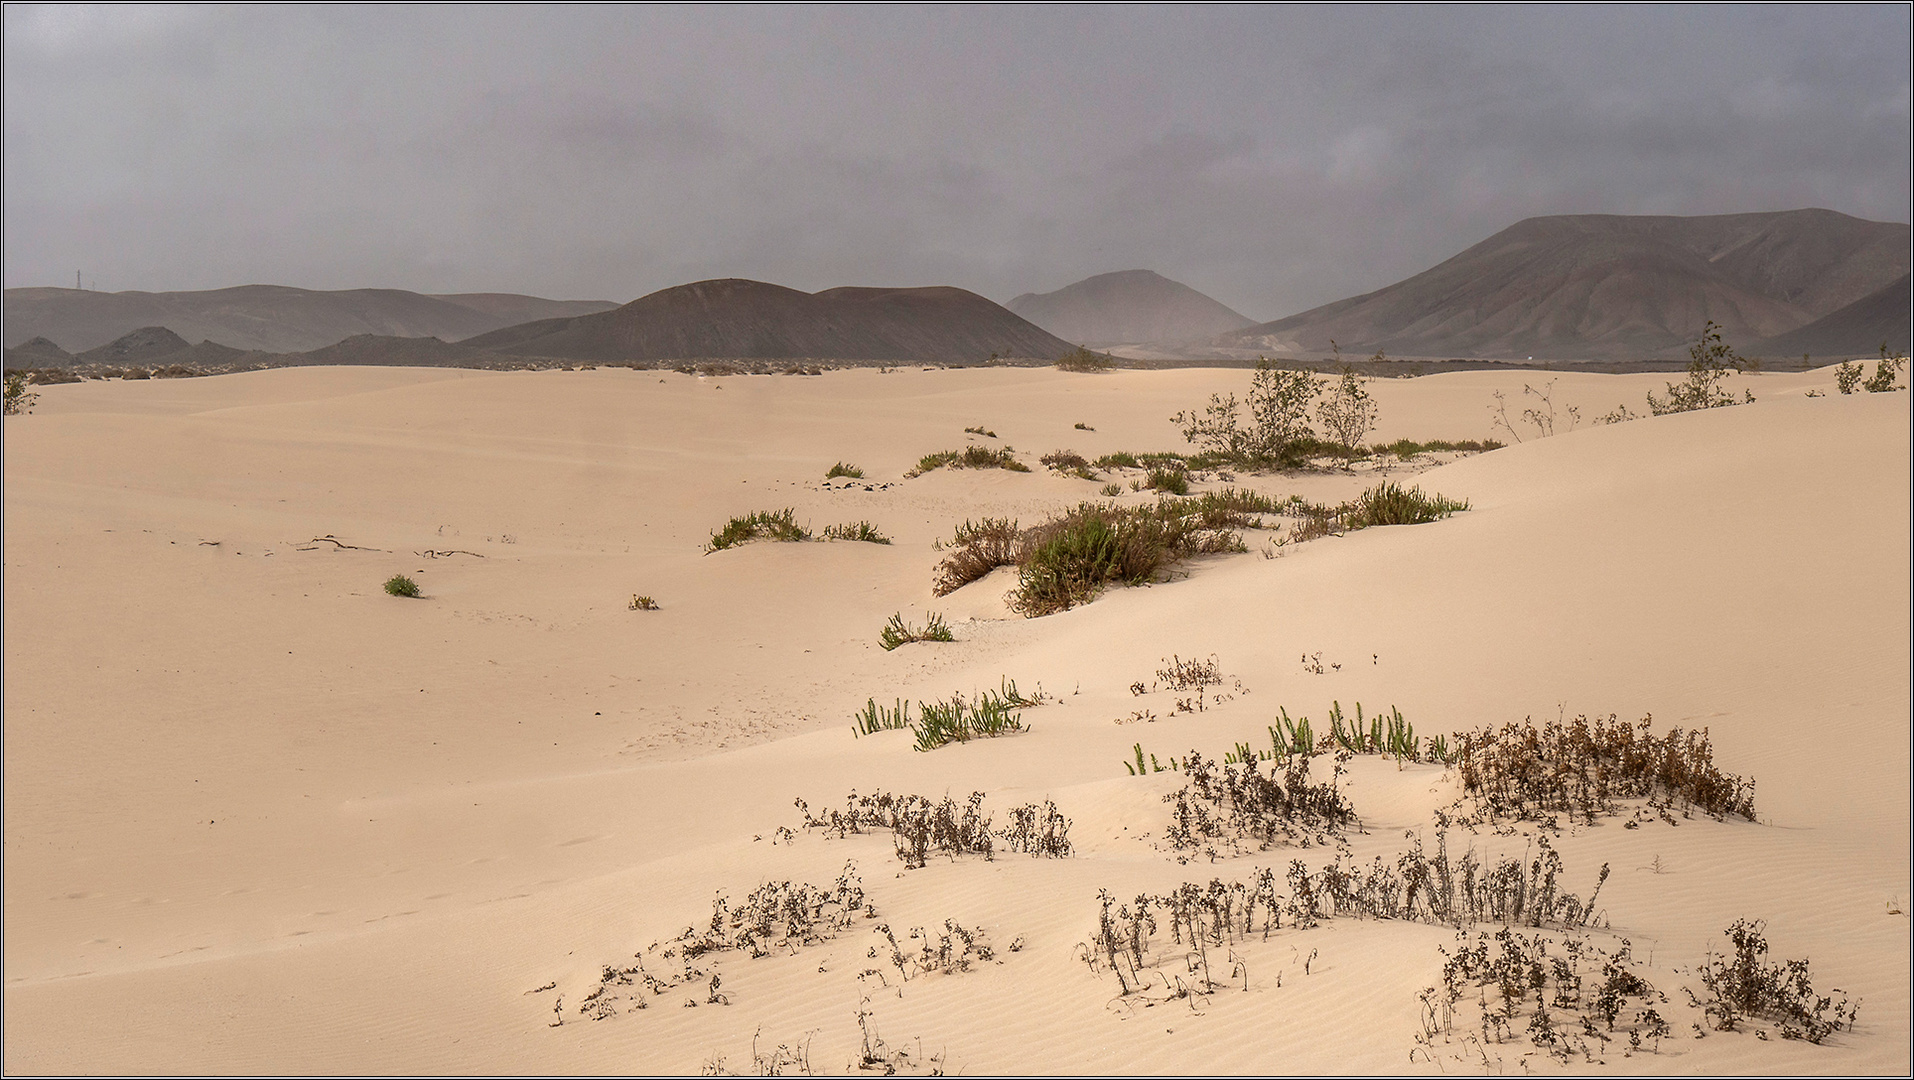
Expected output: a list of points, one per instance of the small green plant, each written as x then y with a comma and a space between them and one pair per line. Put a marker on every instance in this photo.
1083, 359
18, 398
979, 430
856, 530
1122, 459
1111, 490
1710, 362
971, 457
959, 720
780, 525
1847, 376
841, 469
898, 632
875, 718
642, 603
400, 585
1885, 373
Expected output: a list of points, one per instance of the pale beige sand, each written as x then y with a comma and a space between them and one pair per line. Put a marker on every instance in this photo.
262, 817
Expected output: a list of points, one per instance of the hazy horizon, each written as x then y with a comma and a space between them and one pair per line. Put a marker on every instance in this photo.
1272, 159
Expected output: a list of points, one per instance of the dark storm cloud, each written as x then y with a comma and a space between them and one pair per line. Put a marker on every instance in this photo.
1275, 159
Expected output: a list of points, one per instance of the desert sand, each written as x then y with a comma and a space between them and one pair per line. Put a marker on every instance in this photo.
263, 817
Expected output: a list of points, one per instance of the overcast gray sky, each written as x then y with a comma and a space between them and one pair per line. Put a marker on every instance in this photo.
1273, 158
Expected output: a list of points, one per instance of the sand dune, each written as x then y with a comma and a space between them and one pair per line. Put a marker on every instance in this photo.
263, 817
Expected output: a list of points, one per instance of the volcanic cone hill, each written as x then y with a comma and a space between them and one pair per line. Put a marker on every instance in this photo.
733, 318
1128, 306
1608, 286
270, 318
1859, 329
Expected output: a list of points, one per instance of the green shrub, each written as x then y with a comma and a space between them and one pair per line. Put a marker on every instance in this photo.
1084, 360
1069, 559
1172, 481
18, 398
1279, 416
1347, 411
1122, 459
841, 469
1111, 490
764, 524
400, 585
1885, 373
898, 632
1709, 364
856, 530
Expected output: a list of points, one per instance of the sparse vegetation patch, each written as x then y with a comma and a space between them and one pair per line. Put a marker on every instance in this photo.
841, 469
971, 457
898, 632
778, 525
400, 585
862, 531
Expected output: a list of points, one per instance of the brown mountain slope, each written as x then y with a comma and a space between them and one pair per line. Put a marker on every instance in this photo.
1607, 286
1128, 306
1858, 329
273, 318
733, 318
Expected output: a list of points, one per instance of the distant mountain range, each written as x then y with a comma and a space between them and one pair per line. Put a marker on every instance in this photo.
733, 318
726, 319
270, 318
1128, 306
1597, 286
1602, 288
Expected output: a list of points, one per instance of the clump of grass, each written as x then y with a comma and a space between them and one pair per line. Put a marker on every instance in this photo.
1083, 359
1388, 503
1171, 481
975, 551
1580, 768
958, 720
1067, 560
1408, 448
897, 632
1111, 491
841, 469
642, 603
971, 457
400, 585
1122, 459
856, 530
1743, 987
979, 430
986, 715
780, 525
